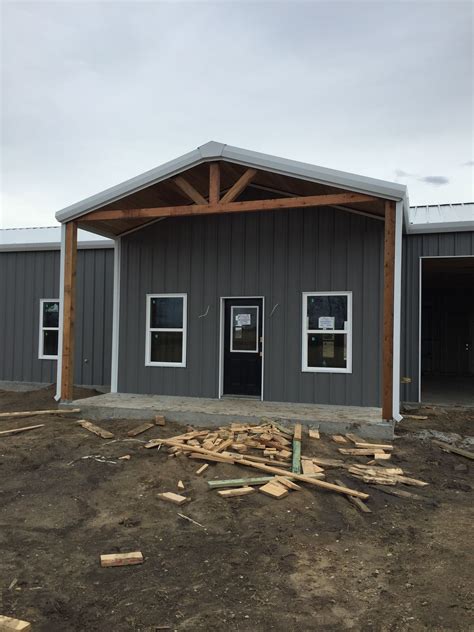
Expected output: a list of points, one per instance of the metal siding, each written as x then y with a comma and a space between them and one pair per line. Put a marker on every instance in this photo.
28, 276
275, 255
414, 247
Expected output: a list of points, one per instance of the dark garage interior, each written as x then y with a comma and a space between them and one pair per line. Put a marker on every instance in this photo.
447, 330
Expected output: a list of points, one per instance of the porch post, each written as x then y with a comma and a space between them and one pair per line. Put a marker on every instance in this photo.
388, 310
69, 308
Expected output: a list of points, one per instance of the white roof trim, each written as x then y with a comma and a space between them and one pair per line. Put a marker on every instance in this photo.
440, 218
218, 151
47, 238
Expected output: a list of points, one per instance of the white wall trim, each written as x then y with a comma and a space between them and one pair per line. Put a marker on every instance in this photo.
116, 317
183, 330
62, 261
221, 340
397, 306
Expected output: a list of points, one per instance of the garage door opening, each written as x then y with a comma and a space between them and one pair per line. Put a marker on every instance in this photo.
447, 330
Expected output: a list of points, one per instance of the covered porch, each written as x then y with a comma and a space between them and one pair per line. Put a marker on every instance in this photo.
215, 180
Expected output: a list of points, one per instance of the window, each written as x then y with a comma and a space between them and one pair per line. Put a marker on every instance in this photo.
49, 329
327, 332
166, 330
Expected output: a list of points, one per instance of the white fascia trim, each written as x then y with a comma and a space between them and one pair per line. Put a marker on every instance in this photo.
62, 262
440, 227
218, 151
397, 306
116, 317
88, 245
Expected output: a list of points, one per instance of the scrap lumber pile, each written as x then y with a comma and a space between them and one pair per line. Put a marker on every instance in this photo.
277, 452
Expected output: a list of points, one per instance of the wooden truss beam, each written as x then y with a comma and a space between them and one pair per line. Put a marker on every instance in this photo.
229, 207
69, 312
188, 189
237, 188
214, 183
388, 309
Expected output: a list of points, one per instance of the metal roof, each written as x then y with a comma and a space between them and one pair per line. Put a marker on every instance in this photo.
47, 238
212, 151
440, 218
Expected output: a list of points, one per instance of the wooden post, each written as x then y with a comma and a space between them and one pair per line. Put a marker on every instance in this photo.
388, 307
214, 183
69, 308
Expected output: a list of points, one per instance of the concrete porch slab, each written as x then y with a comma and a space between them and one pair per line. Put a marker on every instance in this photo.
197, 411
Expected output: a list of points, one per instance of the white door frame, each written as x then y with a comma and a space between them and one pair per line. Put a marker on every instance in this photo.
420, 296
221, 338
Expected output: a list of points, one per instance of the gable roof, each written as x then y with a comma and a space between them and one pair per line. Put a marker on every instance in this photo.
213, 151
440, 218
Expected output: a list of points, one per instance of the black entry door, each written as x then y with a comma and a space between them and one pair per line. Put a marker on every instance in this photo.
243, 346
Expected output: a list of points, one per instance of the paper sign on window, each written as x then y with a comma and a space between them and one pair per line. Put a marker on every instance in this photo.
242, 319
326, 322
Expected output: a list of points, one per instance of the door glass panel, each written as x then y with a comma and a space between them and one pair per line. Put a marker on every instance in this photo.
244, 330
327, 350
327, 312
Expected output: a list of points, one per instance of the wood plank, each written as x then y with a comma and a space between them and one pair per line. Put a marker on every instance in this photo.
171, 497
298, 432
275, 490
139, 429
160, 420
241, 184
229, 207
286, 482
202, 469
257, 459
69, 312
100, 432
13, 431
121, 559
401, 493
357, 502
376, 446
224, 445
388, 308
354, 438
360, 451
309, 467
338, 439
296, 461
188, 189
276, 470
451, 448
245, 482
215, 458
36, 413
9, 624
314, 433
239, 491
214, 182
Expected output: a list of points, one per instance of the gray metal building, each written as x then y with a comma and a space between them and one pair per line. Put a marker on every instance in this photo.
29, 277
282, 305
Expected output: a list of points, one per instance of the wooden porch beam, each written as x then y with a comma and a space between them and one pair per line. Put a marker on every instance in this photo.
69, 311
188, 189
214, 183
388, 310
237, 188
230, 207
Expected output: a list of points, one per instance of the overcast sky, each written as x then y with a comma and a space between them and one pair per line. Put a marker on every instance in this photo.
94, 93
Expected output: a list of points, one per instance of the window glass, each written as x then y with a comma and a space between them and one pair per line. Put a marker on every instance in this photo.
327, 350
51, 314
327, 312
166, 346
50, 342
244, 333
166, 312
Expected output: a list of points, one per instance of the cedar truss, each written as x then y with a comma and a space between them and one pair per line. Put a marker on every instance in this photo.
221, 187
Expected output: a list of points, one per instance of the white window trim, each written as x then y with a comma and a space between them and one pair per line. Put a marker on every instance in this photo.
149, 330
305, 331
257, 343
41, 355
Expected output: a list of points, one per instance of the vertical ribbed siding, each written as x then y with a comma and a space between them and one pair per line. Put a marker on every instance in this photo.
276, 255
27, 277
414, 247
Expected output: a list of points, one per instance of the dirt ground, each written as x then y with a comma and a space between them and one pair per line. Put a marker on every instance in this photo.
307, 562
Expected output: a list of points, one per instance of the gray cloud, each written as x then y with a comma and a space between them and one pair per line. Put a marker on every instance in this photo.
435, 180
97, 92
469, 163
